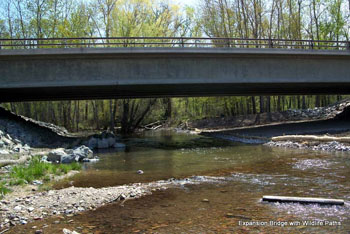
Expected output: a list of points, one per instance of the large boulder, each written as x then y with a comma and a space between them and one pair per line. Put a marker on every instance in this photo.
70, 155
103, 141
56, 155
83, 152
69, 158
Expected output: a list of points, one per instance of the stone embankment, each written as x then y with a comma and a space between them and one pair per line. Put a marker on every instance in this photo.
21, 136
9, 145
18, 130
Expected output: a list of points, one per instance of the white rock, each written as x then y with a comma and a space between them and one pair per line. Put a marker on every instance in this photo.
67, 231
94, 160
83, 152
23, 222
4, 151
56, 155
37, 182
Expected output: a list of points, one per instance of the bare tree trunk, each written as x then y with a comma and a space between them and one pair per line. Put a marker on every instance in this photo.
262, 104
253, 104
77, 115
303, 102
95, 110
125, 117
112, 110
168, 108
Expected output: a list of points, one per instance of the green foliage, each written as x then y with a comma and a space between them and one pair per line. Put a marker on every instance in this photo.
17, 182
3, 189
37, 169
285, 19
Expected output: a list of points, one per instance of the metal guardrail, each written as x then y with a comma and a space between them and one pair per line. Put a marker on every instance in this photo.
100, 42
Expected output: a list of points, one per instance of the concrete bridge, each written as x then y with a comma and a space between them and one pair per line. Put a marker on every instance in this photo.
96, 73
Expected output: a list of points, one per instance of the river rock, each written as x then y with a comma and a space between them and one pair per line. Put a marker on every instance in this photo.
96, 159
56, 155
7, 141
37, 182
69, 158
70, 155
67, 231
2, 151
83, 152
102, 141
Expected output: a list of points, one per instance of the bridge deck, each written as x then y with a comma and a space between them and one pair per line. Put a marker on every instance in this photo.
89, 73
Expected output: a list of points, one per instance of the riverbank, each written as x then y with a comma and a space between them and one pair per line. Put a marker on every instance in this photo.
338, 110
27, 207
328, 121
219, 205
20, 135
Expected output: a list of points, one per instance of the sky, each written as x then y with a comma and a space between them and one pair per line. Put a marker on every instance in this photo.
186, 2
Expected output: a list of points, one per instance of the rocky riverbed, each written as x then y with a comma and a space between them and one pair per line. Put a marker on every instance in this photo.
325, 146
25, 208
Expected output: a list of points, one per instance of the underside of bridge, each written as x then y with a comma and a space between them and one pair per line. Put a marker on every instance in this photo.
59, 74
153, 91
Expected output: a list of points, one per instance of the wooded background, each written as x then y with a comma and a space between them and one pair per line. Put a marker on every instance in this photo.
280, 19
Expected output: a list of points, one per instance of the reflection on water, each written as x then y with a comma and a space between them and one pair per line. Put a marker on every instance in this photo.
239, 176
167, 161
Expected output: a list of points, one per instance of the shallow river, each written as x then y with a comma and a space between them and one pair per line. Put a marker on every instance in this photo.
239, 176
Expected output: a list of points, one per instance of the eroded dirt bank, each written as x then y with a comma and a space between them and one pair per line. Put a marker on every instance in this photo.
333, 120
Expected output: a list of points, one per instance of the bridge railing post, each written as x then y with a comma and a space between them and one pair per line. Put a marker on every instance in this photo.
182, 42
270, 43
312, 44
348, 45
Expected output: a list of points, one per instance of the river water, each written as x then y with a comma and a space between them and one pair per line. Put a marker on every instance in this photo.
239, 175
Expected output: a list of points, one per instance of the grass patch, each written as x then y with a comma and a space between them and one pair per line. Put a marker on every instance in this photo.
3, 189
17, 182
37, 169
